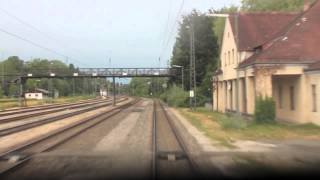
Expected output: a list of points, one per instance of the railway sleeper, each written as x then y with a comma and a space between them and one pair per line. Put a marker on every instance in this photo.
172, 155
14, 157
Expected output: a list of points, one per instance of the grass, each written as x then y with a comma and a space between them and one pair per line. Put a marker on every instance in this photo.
12, 103
228, 128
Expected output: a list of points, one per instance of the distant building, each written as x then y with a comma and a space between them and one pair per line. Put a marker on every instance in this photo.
271, 55
103, 93
33, 95
36, 94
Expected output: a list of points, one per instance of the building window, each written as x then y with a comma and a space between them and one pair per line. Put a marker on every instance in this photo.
292, 103
229, 57
225, 59
280, 97
233, 57
314, 98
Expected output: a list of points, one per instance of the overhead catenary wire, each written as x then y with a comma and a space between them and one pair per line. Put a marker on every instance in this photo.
37, 45
166, 30
166, 26
23, 22
38, 31
173, 27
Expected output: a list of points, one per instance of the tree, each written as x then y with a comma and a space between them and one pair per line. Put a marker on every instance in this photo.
1, 92
140, 87
13, 65
13, 90
146, 87
175, 96
272, 5
206, 50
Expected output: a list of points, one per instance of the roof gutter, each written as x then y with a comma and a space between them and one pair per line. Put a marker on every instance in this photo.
272, 63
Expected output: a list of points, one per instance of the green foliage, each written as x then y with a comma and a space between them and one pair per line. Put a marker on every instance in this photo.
206, 49
233, 123
226, 121
272, 5
140, 87
13, 90
147, 87
14, 65
204, 93
265, 110
201, 98
175, 96
1, 92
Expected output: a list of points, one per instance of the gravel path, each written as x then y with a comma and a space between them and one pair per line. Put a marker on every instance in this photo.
118, 147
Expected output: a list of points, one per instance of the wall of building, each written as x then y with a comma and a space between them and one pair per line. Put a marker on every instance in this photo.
227, 94
33, 95
312, 106
282, 97
229, 56
250, 88
266, 83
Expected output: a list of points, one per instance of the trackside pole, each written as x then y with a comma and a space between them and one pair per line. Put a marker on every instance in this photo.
114, 91
20, 92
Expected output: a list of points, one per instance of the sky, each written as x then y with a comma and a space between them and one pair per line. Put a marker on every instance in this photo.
88, 33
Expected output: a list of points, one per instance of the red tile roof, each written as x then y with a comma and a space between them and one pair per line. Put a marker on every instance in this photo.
298, 43
254, 29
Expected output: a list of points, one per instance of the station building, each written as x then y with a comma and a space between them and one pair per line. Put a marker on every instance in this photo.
271, 55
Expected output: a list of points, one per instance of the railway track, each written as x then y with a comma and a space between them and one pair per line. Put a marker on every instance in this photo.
46, 120
42, 107
14, 116
24, 152
170, 156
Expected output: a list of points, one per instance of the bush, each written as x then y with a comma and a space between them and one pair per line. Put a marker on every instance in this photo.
175, 96
201, 99
265, 110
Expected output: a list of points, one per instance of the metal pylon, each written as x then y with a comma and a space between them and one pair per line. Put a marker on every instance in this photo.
193, 100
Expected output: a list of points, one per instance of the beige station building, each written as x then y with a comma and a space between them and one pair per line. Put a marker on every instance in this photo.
271, 55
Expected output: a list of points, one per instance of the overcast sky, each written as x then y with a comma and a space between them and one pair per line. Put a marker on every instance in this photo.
133, 33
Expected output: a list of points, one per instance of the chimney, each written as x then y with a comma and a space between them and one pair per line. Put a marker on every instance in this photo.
307, 5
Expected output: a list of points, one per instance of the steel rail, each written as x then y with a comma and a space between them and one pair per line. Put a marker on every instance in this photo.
46, 111
177, 136
43, 107
154, 143
191, 162
24, 147
19, 128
